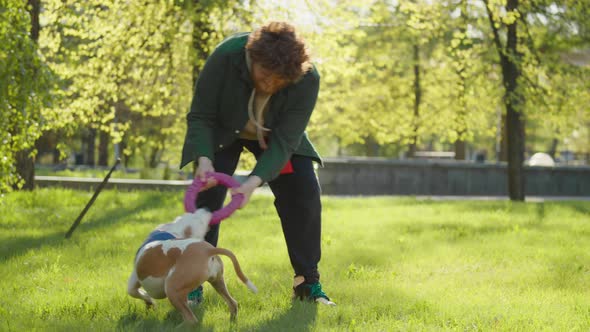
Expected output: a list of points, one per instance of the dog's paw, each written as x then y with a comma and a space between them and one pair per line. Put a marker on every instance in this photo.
150, 305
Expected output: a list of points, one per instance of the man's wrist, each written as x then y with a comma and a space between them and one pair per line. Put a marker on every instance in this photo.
203, 160
254, 181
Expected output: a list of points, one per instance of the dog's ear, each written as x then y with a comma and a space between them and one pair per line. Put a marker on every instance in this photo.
188, 232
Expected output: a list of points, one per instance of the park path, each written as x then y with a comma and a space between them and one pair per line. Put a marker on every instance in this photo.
178, 185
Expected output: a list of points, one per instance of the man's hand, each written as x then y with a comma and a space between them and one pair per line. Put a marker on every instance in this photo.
205, 166
247, 188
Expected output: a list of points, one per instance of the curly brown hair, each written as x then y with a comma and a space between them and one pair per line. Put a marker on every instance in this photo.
277, 47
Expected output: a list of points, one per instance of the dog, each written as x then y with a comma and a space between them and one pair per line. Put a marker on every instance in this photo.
176, 259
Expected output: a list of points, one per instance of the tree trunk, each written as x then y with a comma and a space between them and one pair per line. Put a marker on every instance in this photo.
103, 148
154, 158
125, 158
460, 149
25, 163
25, 166
553, 148
90, 143
46, 144
56, 157
35, 8
461, 123
417, 99
503, 139
371, 147
510, 61
514, 116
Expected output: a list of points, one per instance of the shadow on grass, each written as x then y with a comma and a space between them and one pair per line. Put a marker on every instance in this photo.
582, 208
19, 245
133, 321
299, 316
456, 231
519, 208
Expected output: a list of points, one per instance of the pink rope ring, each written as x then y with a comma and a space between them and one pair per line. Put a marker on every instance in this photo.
190, 197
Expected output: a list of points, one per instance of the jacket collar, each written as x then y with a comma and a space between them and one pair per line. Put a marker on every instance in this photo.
239, 60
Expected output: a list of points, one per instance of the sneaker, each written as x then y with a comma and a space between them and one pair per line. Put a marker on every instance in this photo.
195, 297
310, 292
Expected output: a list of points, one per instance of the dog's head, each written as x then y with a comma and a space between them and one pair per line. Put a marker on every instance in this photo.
193, 225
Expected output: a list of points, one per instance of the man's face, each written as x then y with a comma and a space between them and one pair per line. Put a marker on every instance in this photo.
265, 80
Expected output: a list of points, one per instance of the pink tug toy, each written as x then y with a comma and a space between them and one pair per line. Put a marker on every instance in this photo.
190, 197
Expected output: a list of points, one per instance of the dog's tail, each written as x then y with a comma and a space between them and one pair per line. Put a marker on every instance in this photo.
237, 268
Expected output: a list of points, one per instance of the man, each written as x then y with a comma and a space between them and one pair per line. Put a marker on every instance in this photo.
257, 91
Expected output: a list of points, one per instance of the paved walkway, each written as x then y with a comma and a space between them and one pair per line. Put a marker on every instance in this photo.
135, 184
505, 198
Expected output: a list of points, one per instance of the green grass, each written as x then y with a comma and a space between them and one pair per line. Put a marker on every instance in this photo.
390, 263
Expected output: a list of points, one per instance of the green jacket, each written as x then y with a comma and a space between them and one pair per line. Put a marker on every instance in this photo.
219, 111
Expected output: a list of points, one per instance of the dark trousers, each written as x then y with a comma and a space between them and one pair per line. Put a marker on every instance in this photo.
297, 201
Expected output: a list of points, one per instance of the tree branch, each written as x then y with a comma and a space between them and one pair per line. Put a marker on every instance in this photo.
529, 40
497, 41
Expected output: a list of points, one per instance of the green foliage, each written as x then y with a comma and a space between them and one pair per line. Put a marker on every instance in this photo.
123, 65
558, 88
416, 265
127, 68
25, 87
368, 85
368, 93
552, 85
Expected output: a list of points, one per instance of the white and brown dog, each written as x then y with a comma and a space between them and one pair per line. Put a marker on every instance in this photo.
176, 259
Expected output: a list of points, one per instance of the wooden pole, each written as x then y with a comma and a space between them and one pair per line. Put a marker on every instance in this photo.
89, 204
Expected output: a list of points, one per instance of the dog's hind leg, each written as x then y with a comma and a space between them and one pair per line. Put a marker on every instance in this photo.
221, 288
134, 290
218, 283
185, 277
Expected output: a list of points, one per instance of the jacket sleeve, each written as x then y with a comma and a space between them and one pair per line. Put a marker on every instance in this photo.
202, 115
286, 136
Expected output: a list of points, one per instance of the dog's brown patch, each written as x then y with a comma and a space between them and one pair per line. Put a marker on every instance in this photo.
188, 232
154, 263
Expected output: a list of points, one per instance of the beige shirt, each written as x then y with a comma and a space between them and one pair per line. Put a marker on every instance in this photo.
257, 106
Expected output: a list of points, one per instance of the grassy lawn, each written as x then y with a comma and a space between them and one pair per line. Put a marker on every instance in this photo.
390, 264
